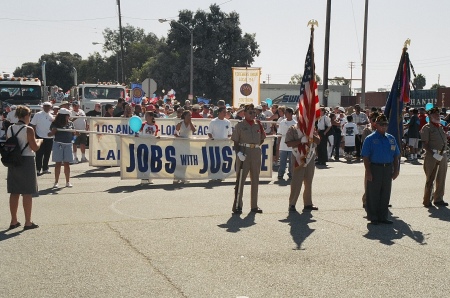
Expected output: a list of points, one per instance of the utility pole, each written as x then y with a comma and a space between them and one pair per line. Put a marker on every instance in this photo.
326, 54
363, 85
121, 42
352, 65
268, 79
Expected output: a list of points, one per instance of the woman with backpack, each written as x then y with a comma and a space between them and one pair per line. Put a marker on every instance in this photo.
22, 178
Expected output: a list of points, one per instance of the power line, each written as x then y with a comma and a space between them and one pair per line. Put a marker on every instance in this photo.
59, 21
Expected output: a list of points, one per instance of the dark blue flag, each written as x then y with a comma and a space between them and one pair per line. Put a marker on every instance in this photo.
397, 97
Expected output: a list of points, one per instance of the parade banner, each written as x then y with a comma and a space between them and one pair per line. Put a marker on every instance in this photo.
179, 158
104, 149
246, 85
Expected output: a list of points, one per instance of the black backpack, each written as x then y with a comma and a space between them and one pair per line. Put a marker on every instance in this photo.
10, 150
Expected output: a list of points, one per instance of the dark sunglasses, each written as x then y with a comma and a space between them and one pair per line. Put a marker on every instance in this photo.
251, 112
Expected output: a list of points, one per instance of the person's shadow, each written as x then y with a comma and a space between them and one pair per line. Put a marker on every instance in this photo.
442, 213
387, 233
4, 236
299, 227
236, 223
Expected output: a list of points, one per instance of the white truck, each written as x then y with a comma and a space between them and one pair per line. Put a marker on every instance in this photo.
103, 93
20, 91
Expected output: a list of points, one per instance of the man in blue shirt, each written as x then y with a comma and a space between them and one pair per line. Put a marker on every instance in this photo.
381, 157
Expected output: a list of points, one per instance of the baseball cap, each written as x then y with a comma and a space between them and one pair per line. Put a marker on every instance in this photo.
341, 109
64, 102
64, 111
263, 103
258, 107
75, 103
47, 103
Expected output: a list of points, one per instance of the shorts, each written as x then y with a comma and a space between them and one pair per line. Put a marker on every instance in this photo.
62, 152
413, 142
349, 149
81, 139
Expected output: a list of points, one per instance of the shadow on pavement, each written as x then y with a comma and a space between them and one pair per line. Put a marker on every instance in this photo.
442, 213
97, 172
175, 186
387, 233
299, 227
4, 236
236, 223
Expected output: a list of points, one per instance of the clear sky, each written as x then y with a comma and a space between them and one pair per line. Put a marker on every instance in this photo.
32, 28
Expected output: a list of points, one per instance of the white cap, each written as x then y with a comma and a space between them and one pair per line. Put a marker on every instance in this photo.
64, 111
47, 103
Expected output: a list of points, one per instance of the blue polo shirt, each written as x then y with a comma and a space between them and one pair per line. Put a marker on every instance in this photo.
380, 148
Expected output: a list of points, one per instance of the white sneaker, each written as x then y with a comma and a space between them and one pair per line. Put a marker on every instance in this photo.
55, 185
46, 172
68, 184
75, 161
84, 159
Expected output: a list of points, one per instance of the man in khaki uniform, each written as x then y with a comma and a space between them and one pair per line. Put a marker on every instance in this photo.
301, 174
248, 135
434, 141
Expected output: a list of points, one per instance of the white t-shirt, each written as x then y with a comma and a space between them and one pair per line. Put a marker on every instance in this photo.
220, 129
150, 130
79, 123
350, 130
282, 130
268, 126
324, 122
42, 121
360, 118
11, 117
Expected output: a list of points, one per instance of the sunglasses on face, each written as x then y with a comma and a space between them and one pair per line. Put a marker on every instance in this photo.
251, 112
383, 124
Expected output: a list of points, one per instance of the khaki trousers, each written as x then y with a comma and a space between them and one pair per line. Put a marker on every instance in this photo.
252, 164
301, 176
439, 183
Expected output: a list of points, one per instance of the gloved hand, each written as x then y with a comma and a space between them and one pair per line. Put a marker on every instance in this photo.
437, 157
241, 156
304, 139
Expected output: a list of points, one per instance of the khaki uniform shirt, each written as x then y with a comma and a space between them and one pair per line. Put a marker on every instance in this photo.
435, 137
244, 133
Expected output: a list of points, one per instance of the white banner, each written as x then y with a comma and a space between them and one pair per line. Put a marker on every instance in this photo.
167, 158
104, 150
246, 85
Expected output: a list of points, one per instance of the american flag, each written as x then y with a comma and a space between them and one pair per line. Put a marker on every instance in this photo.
309, 109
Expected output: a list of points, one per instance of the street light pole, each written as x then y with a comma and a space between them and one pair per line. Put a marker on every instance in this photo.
191, 77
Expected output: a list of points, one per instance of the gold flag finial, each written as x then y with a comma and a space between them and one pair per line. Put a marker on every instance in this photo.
313, 23
407, 43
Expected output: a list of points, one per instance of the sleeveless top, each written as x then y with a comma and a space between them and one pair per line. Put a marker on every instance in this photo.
22, 137
185, 131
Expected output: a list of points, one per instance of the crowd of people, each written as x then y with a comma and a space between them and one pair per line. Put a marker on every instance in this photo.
59, 130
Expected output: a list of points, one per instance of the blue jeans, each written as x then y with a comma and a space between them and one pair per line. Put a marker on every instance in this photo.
284, 157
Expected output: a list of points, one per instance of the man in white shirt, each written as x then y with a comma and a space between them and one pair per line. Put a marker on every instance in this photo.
323, 126
11, 117
81, 138
285, 151
220, 128
267, 114
361, 120
41, 123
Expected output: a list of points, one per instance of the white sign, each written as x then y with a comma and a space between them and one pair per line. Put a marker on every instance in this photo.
178, 158
246, 85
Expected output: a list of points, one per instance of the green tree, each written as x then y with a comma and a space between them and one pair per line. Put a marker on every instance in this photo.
420, 81
296, 79
58, 69
436, 86
219, 45
138, 48
340, 81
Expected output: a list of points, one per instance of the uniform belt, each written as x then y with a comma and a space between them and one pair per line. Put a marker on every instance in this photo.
384, 165
249, 145
439, 151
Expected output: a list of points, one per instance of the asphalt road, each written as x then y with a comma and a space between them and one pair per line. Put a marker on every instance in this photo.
110, 238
